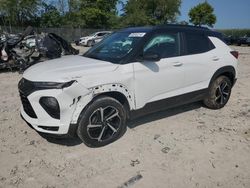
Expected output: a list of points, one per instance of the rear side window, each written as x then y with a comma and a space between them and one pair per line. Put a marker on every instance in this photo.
197, 43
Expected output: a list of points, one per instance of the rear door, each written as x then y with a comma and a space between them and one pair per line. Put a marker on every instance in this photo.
199, 61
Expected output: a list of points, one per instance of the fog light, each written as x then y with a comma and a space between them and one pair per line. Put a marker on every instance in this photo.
51, 106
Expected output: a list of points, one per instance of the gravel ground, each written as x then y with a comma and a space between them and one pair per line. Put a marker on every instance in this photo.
189, 146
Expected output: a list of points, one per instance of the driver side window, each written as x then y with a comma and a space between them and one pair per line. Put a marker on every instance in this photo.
164, 44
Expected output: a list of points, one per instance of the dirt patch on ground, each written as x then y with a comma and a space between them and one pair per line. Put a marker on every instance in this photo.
189, 146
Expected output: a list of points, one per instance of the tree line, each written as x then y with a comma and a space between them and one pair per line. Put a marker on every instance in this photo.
98, 13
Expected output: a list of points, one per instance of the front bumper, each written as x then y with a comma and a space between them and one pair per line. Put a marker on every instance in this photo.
71, 131
68, 99
83, 42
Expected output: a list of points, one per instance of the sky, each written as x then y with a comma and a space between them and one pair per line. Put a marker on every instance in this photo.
230, 13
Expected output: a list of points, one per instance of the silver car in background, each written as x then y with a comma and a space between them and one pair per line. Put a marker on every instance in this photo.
92, 39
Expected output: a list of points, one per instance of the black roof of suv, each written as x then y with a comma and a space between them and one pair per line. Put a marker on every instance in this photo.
175, 27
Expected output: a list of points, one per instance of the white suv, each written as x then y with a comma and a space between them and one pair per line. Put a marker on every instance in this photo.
132, 72
92, 39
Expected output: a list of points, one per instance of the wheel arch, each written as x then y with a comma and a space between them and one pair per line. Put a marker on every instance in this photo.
228, 71
118, 96
116, 91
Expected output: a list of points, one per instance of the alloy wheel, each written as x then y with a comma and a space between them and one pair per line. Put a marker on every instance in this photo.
104, 123
222, 93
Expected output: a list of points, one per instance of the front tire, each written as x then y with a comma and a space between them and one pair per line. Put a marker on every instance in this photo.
219, 93
102, 122
90, 43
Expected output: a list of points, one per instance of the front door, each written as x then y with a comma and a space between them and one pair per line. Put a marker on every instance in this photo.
156, 80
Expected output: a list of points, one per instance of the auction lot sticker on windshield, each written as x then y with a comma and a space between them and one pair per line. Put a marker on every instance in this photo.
137, 35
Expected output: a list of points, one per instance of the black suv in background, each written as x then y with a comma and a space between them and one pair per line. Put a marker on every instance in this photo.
243, 41
233, 40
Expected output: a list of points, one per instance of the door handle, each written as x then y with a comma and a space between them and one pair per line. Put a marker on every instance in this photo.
177, 64
215, 58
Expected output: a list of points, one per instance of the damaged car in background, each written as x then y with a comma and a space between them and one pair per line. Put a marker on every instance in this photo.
23, 50
130, 73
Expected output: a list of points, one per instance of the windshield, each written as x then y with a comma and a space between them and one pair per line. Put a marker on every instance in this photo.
115, 47
91, 35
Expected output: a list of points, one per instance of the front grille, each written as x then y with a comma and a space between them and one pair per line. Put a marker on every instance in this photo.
26, 87
27, 106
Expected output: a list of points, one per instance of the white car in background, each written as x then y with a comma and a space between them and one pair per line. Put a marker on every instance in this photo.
93, 38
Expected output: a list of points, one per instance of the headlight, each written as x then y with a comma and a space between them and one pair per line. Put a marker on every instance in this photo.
27, 87
53, 85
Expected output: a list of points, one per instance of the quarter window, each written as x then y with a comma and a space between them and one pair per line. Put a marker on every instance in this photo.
197, 43
166, 45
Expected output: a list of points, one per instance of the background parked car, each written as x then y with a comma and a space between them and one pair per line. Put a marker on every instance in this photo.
231, 40
93, 38
244, 40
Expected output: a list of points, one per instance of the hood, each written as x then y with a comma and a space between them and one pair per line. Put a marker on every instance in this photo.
67, 68
85, 38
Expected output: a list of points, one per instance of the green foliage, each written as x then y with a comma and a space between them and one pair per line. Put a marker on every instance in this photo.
51, 17
134, 15
18, 12
150, 12
98, 13
202, 14
92, 13
87, 13
56, 13
236, 32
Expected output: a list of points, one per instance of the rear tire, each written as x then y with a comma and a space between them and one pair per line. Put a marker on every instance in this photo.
102, 122
219, 93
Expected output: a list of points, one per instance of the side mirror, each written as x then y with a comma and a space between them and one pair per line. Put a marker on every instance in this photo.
151, 56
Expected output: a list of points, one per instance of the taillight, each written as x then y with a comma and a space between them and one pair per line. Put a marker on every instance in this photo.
235, 54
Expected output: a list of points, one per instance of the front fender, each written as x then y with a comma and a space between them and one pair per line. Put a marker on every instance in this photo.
101, 89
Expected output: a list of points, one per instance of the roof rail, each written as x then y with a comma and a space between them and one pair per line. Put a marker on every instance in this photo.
185, 26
